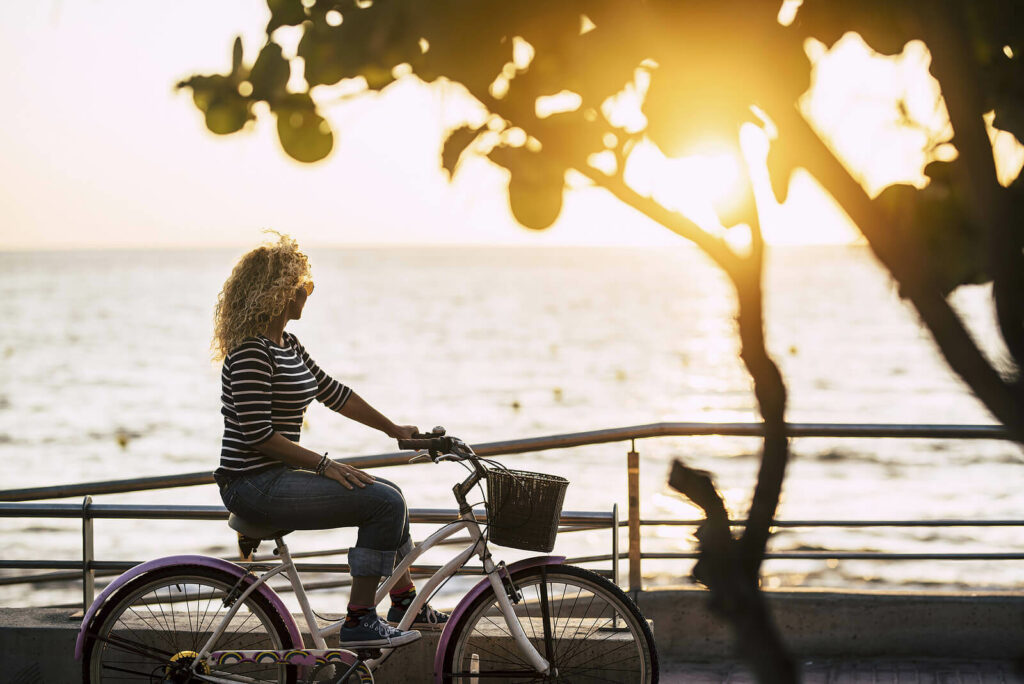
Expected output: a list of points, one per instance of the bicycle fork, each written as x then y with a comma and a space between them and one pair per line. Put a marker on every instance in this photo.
526, 647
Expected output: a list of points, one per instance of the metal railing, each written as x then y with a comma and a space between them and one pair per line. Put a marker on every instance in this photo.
571, 521
88, 567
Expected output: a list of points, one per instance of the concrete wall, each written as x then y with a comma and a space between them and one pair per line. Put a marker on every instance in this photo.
849, 624
37, 645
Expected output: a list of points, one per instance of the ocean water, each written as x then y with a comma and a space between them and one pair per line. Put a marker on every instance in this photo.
105, 373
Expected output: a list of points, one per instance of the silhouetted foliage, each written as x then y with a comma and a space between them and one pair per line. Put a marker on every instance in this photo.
704, 68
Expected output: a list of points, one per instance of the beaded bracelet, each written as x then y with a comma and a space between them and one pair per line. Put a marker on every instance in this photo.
321, 467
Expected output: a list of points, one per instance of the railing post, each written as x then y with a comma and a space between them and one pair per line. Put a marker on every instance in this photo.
633, 493
615, 544
88, 574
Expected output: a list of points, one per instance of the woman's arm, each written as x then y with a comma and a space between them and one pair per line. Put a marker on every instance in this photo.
358, 410
283, 449
338, 397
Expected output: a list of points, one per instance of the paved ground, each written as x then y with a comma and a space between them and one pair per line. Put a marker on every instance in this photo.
866, 672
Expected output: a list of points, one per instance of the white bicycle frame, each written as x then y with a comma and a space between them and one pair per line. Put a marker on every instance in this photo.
466, 521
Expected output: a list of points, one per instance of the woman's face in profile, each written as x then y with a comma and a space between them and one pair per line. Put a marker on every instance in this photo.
295, 306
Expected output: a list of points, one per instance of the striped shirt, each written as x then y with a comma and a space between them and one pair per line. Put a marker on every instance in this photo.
265, 388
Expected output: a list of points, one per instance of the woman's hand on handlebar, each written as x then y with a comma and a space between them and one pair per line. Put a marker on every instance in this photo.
404, 431
347, 475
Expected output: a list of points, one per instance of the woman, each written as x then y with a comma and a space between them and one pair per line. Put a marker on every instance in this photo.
268, 380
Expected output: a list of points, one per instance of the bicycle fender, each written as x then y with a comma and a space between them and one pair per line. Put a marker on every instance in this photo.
205, 561
481, 586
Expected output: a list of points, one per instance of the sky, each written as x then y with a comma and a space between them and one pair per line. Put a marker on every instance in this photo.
98, 150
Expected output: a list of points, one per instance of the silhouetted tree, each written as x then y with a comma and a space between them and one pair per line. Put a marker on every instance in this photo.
704, 67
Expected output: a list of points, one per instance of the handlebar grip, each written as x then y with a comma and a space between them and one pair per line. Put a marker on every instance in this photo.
430, 443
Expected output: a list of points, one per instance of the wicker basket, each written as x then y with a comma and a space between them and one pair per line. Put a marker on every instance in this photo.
524, 508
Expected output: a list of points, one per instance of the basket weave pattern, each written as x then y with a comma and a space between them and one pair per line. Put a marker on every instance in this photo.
524, 508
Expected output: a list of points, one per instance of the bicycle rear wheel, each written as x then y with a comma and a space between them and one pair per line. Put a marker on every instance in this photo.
579, 621
153, 627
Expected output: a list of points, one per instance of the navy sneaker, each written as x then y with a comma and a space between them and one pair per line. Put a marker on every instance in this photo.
372, 632
427, 618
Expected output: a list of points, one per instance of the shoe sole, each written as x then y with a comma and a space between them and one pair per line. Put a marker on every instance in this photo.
406, 638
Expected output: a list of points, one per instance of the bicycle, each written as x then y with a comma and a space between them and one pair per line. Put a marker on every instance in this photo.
202, 619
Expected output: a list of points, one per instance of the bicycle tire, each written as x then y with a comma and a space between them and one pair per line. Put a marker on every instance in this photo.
143, 635
617, 645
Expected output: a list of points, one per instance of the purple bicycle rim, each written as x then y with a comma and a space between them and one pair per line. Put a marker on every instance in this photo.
482, 586
204, 561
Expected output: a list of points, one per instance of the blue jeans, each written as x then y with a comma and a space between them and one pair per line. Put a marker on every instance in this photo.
300, 500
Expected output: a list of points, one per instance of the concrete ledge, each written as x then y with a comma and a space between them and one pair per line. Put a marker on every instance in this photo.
848, 624
37, 644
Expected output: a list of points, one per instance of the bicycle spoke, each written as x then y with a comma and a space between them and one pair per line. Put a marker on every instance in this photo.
122, 669
150, 626
136, 648
513, 654
578, 612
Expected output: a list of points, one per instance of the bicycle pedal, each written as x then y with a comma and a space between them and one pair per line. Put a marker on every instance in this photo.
368, 653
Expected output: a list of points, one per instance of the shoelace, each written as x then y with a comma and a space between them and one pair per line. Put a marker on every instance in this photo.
433, 617
382, 628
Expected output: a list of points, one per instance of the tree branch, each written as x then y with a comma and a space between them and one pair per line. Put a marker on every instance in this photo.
1006, 402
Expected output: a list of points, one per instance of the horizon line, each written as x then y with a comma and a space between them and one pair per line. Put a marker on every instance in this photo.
54, 249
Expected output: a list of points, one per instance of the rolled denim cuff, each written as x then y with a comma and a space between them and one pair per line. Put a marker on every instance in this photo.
365, 562
403, 550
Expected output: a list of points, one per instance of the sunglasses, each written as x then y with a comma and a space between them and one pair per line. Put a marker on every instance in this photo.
308, 287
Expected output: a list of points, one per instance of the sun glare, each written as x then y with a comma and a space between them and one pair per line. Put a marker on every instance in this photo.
883, 116
714, 176
690, 185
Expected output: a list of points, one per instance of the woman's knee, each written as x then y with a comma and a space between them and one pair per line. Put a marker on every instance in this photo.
389, 483
390, 496
390, 511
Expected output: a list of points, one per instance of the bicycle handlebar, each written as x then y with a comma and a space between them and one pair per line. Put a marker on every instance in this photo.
436, 443
442, 447
431, 443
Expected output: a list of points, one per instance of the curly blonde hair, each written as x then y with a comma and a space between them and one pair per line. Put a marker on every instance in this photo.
259, 288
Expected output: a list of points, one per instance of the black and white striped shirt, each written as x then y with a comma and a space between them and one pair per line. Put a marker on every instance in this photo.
265, 388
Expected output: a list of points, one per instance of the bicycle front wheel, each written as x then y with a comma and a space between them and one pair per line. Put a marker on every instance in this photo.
152, 629
584, 625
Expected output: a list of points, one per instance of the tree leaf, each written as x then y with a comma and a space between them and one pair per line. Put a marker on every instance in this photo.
569, 137
217, 97
269, 75
535, 188
285, 13
369, 42
305, 135
535, 205
228, 116
456, 143
236, 56
934, 224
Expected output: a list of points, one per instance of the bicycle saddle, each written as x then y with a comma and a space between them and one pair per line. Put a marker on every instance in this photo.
254, 530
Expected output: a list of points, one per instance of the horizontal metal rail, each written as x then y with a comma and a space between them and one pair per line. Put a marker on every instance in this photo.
855, 555
564, 441
571, 521
175, 512
844, 523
